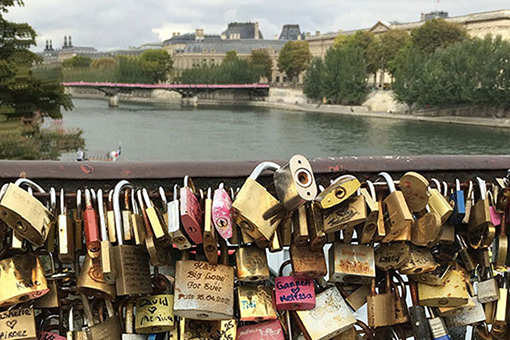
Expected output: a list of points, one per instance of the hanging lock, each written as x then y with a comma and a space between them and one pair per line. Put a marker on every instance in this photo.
269, 330
18, 324
338, 191
210, 242
107, 265
372, 223
459, 205
251, 264
255, 303
307, 263
222, 212
438, 203
346, 215
173, 220
66, 240
92, 239
156, 222
415, 190
351, 263
191, 212
292, 293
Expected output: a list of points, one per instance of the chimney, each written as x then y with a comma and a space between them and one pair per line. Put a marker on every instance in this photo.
256, 26
65, 42
47, 45
308, 35
317, 33
51, 45
199, 34
70, 43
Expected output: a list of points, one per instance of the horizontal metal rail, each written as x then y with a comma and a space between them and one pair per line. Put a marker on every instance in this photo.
73, 175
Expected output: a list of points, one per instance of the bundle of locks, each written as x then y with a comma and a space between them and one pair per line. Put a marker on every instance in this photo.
129, 264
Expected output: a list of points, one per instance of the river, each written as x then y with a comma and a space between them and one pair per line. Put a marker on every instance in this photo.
168, 132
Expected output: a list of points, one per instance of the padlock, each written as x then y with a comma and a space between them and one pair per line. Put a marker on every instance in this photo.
173, 220
251, 264
495, 215
285, 230
91, 280
106, 330
451, 293
204, 291
468, 315
129, 323
417, 316
421, 260
438, 276
401, 311
464, 255
18, 324
315, 226
269, 330
397, 214
253, 201
348, 214
300, 235
292, 293
51, 241
110, 218
380, 231
438, 203
107, 265
367, 231
350, 263
294, 183
222, 212
392, 255
381, 306
25, 214
426, 229
338, 191
52, 298
307, 263
255, 303
437, 326
155, 312
500, 245
210, 244
415, 190
480, 214
191, 212
127, 221
459, 204
22, 279
92, 239
500, 316
191, 329
487, 287
330, 317
131, 262
159, 228
138, 220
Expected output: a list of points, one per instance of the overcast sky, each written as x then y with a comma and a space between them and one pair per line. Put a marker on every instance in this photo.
112, 24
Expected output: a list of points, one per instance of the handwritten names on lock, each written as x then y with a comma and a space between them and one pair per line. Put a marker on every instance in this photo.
269, 330
136, 272
200, 286
17, 324
212, 330
294, 292
49, 336
155, 311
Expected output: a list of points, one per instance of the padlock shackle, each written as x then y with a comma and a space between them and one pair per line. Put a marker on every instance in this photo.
436, 182
176, 192
371, 187
146, 198
259, 169
62, 202
79, 208
445, 188
342, 178
100, 212
283, 265
163, 197
116, 208
53, 199
88, 199
30, 184
457, 184
134, 204
483, 188
209, 193
188, 182
389, 181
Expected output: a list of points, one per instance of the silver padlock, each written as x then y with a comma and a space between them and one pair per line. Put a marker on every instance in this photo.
487, 288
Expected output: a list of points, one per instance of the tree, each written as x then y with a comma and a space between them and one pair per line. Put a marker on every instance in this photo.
77, 61
104, 63
367, 43
389, 44
294, 58
314, 74
230, 56
437, 33
156, 65
408, 84
27, 97
261, 63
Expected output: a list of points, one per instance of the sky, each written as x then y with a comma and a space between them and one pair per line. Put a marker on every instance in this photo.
115, 24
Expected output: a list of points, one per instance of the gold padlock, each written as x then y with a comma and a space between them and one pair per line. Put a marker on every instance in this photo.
24, 213
91, 281
451, 293
251, 263
346, 215
256, 303
381, 307
373, 221
307, 263
439, 204
191, 329
338, 191
18, 324
253, 201
155, 313
351, 263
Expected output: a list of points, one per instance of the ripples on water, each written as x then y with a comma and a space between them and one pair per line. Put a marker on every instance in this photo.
160, 132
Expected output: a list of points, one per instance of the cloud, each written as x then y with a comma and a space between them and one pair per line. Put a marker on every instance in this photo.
122, 23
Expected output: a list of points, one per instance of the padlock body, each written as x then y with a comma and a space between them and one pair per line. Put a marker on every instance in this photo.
307, 263
294, 183
269, 330
337, 192
191, 329
467, 315
398, 215
459, 207
330, 317
154, 313
22, 278
351, 263
421, 260
25, 214
92, 237
293, 293
91, 281
204, 291
256, 303
439, 205
488, 290
479, 216
133, 271
222, 213
111, 329
66, 240
381, 310
451, 293
18, 324
345, 215
191, 215
251, 263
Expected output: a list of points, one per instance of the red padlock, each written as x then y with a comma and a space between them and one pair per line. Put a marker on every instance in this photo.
293, 293
191, 212
269, 330
92, 237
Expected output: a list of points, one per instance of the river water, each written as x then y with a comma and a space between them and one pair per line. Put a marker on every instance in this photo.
165, 132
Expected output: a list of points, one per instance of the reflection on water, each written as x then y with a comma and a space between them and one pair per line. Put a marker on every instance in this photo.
156, 132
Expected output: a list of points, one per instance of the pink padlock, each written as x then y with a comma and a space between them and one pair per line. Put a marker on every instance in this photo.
269, 330
495, 216
191, 212
222, 212
292, 293
42, 335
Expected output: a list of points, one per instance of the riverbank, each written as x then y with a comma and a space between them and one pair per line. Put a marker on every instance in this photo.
299, 105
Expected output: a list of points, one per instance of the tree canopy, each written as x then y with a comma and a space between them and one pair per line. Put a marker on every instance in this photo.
437, 33
294, 58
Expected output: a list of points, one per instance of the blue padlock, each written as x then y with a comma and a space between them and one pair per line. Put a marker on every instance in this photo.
459, 208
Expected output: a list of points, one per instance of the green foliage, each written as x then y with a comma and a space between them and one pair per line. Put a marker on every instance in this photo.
103, 64
77, 61
261, 63
471, 72
365, 42
156, 65
437, 33
385, 49
312, 85
128, 69
294, 58
27, 97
